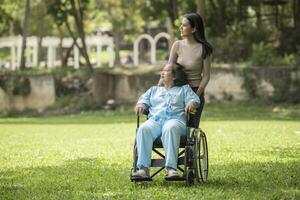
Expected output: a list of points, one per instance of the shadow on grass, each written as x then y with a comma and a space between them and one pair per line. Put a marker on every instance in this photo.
264, 180
89, 178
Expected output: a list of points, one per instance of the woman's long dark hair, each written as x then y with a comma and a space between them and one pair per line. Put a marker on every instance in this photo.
199, 35
179, 74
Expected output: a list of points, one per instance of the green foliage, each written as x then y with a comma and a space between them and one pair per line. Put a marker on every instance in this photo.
231, 26
15, 85
124, 19
250, 83
74, 104
295, 91
4, 20
40, 22
229, 49
89, 156
11, 16
297, 57
263, 54
287, 38
236, 45
68, 82
289, 59
61, 10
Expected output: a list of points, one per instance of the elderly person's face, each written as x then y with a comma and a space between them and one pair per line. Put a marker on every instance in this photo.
166, 74
185, 28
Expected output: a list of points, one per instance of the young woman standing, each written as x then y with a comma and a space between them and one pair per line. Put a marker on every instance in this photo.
194, 53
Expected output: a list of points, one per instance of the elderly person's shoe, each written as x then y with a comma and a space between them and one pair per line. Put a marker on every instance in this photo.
172, 173
141, 173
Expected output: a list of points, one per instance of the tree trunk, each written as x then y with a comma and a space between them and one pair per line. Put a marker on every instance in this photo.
172, 16
222, 17
39, 49
77, 13
24, 36
276, 16
201, 8
257, 9
61, 53
296, 12
219, 17
117, 42
170, 30
172, 11
219, 8
41, 29
65, 57
11, 28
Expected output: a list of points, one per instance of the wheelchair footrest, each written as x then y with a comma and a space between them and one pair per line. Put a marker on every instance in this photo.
175, 178
140, 179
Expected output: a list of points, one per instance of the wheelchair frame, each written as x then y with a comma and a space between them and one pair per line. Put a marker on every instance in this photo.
193, 155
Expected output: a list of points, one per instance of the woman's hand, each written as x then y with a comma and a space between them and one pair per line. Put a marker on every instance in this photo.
191, 107
139, 109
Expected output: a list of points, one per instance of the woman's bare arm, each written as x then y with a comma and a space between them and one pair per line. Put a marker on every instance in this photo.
205, 75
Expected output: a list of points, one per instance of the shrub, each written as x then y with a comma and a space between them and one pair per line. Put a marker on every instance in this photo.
15, 85
236, 45
288, 59
262, 54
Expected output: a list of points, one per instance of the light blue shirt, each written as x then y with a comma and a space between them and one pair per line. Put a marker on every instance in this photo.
168, 104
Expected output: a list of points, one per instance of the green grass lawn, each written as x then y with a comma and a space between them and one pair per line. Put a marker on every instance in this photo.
254, 153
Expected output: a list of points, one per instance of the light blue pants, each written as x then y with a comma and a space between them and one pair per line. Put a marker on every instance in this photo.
170, 132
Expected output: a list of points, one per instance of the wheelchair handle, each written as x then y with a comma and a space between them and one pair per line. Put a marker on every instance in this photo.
138, 121
187, 128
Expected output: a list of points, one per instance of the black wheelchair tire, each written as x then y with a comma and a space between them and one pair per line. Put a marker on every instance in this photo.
189, 177
203, 158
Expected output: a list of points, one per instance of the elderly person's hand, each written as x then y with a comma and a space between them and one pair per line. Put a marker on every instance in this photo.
160, 83
139, 108
191, 107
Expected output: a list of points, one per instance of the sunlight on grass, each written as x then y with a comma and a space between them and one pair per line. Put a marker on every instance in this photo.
85, 161
254, 153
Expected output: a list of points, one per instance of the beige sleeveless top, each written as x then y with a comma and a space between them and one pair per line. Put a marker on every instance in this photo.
190, 56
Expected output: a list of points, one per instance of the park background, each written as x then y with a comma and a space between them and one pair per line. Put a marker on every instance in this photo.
67, 123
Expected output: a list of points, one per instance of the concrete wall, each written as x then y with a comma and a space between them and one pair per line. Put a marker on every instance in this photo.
42, 95
272, 83
225, 83
121, 87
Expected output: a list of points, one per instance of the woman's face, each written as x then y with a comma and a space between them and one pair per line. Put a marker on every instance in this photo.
186, 29
166, 74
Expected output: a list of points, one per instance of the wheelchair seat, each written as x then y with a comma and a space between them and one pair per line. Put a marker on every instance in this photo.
158, 144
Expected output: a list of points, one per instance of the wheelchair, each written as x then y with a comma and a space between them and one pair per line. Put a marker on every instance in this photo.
192, 157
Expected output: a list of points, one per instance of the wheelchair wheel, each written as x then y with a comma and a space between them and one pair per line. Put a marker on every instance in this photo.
189, 177
200, 156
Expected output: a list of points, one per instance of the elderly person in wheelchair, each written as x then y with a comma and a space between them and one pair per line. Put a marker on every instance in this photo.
167, 107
